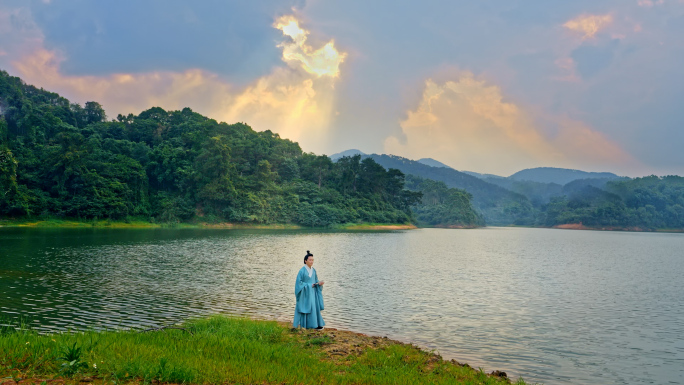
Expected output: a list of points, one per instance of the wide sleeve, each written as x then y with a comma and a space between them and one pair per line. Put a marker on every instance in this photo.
318, 289
304, 293
299, 283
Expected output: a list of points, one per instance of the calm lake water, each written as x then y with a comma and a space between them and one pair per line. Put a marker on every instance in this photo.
553, 306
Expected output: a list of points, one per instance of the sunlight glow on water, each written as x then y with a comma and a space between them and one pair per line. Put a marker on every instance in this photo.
552, 306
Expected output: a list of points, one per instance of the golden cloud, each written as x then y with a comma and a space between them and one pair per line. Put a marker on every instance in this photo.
467, 123
588, 25
295, 101
322, 62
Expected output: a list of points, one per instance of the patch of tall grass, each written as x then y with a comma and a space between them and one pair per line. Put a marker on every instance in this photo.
217, 350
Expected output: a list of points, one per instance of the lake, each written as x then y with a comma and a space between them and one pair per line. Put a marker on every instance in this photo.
553, 306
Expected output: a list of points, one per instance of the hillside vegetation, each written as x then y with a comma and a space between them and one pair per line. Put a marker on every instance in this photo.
497, 205
559, 176
59, 159
598, 200
648, 203
442, 206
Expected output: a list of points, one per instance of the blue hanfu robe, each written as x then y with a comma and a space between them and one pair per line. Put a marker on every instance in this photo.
309, 301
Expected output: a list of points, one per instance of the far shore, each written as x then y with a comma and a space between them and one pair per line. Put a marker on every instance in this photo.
579, 226
458, 227
141, 224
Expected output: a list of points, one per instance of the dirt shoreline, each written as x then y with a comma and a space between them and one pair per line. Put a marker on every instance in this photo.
580, 226
344, 343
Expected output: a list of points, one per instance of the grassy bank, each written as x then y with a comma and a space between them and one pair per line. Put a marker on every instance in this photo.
70, 223
142, 224
227, 351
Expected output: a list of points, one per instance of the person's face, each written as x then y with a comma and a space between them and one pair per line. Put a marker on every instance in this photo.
309, 261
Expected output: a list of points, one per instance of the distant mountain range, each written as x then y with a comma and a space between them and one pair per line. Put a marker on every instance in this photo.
497, 204
483, 176
352, 152
500, 200
560, 176
433, 163
494, 202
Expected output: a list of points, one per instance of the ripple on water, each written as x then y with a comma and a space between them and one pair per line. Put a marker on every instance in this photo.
553, 306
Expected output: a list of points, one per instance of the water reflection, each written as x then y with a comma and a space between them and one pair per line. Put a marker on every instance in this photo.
552, 306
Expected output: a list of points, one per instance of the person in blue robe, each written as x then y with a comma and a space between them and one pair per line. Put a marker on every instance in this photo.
309, 294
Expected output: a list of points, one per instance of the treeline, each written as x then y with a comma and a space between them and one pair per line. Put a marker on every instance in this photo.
58, 159
647, 203
443, 206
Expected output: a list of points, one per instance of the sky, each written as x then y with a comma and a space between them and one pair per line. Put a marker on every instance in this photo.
486, 86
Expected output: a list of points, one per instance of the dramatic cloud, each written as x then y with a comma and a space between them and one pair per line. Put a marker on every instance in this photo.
295, 100
467, 124
297, 104
613, 65
322, 62
588, 25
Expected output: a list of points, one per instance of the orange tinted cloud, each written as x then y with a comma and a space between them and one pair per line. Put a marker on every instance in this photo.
588, 25
295, 100
324, 61
469, 125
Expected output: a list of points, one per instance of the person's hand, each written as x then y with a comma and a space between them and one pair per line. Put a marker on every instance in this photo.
321, 283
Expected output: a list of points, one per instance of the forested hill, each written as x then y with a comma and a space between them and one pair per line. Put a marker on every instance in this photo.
497, 205
648, 203
58, 159
559, 176
443, 206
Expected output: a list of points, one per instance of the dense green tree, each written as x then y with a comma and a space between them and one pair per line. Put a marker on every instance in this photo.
648, 203
8, 172
60, 159
443, 206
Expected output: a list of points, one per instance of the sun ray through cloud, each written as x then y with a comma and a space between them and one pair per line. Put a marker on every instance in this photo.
295, 100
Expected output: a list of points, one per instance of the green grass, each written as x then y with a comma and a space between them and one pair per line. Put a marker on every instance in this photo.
218, 350
142, 223
77, 223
